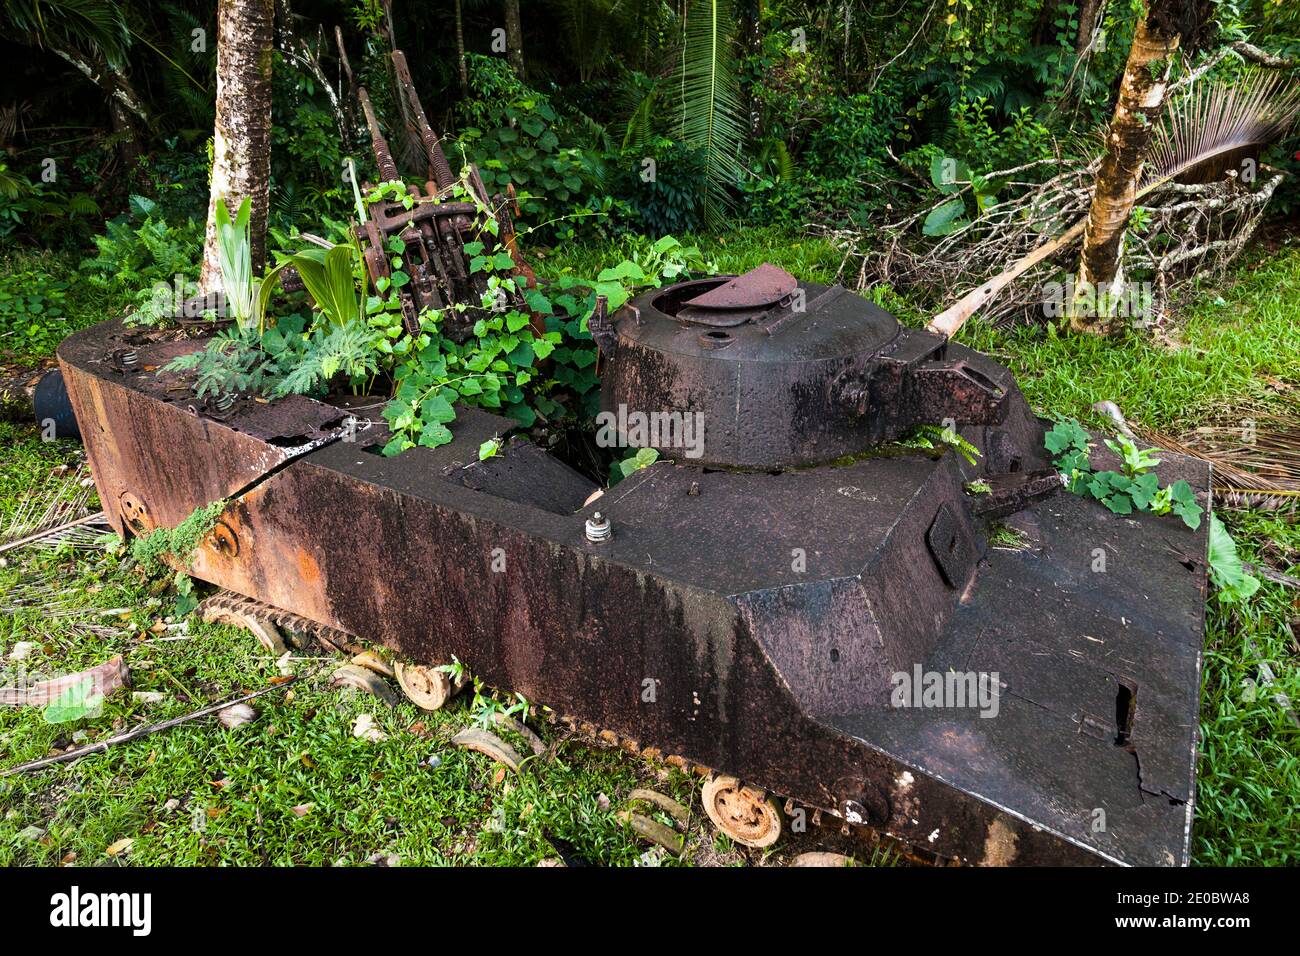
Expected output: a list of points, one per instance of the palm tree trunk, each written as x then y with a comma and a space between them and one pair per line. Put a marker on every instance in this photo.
460, 52
1141, 98
1088, 13
515, 39
241, 146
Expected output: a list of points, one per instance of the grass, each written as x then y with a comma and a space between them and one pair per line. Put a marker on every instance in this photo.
1249, 778
295, 786
1235, 341
808, 257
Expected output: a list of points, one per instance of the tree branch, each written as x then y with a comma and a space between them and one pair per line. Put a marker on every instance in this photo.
1247, 51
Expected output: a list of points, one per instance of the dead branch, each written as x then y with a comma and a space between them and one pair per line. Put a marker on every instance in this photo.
144, 731
1247, 51
1189, 230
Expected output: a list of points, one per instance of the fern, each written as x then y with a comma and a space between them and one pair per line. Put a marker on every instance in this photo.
711, 117
344, 348
230, 364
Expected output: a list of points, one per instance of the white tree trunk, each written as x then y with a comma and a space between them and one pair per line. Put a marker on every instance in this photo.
1141, 99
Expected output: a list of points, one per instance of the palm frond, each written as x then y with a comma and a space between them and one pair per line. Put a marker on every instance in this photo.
55, 515
587, 33
85, 24
711, 116
640, 125
1215, 119
12, 185
775, 156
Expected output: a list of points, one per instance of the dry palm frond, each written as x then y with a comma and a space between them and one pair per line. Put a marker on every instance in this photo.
1215, 120
56, 515
1268, 449
45, 595
85, 533
1256, 459
1242, 499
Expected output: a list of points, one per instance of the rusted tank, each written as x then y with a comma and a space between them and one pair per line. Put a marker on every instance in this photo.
798, 608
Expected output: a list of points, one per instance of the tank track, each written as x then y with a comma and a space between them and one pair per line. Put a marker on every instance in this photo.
328, 638
334, 640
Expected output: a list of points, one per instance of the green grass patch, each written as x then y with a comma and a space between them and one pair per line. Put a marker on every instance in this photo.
43, 300
1235, 339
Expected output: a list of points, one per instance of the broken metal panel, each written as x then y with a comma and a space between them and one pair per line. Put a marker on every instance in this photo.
155, 461
525, 473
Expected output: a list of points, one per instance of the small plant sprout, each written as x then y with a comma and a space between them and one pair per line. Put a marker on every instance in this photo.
1135, 488
937, 437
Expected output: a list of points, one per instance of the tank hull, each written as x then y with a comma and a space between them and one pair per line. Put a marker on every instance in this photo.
755, 624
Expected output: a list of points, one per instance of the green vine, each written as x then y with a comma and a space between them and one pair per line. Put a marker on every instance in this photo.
1135, 488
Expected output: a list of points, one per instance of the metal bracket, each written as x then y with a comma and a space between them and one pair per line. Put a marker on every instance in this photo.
950, 546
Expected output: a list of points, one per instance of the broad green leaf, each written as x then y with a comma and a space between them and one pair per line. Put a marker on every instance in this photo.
949, 174
945, 219
76, 702
1226, 571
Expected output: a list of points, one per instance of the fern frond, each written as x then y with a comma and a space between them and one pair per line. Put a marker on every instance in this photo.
640, 128
712, 118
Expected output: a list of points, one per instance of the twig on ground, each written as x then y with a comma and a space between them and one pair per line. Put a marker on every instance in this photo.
144, 731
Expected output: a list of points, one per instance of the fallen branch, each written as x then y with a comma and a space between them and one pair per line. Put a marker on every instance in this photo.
140, 732
954, 317
1268, 574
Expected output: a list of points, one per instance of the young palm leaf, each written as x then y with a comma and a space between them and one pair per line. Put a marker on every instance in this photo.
712, 119
1214, 122
329, 277
234, 254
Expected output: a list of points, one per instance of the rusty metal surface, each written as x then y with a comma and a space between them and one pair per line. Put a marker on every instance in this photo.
1071, 647
142, 436
740, 299
777, 387
524, 473
767, 613
434, 230
764, 285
